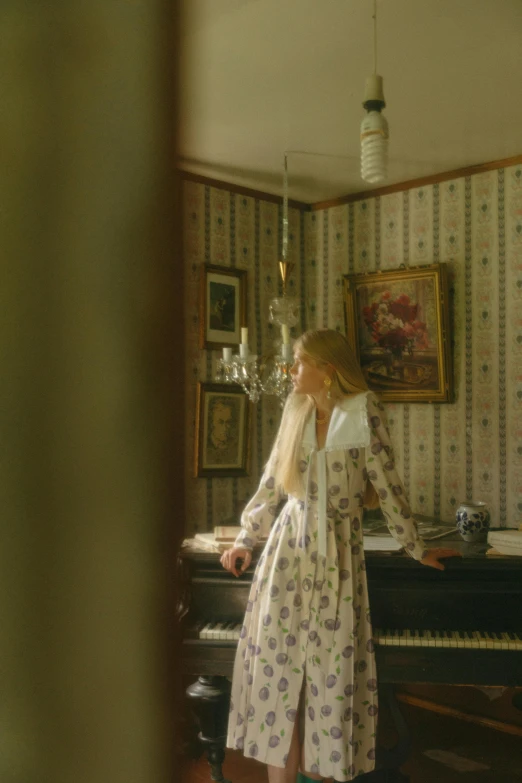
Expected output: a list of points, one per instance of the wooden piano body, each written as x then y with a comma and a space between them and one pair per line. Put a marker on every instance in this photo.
459, 626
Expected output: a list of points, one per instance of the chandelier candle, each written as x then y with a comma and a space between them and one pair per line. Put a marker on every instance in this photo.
243, 348
285, 334
227, 355
287, 353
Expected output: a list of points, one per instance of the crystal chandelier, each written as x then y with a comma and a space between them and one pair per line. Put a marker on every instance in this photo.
258, 375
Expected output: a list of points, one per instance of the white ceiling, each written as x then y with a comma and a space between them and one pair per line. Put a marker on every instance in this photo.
260, 77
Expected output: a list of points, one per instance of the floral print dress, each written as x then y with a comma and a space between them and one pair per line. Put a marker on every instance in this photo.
307, 624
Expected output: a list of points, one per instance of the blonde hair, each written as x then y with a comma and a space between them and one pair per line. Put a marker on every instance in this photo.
322, 347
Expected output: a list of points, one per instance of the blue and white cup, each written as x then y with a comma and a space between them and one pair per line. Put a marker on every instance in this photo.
473, 520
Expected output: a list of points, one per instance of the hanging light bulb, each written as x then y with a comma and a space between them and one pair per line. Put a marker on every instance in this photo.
374, 127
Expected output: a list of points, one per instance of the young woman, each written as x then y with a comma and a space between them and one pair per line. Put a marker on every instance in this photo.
304, 690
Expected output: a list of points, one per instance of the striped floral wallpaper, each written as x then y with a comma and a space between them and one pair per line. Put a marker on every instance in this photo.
230, 229
471, 448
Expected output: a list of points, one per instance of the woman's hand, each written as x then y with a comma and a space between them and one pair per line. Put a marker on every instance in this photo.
436, 554
228, 559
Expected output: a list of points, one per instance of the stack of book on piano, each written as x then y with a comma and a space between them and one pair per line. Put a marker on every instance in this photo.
377, 537
223, 537
218, 540
505, 542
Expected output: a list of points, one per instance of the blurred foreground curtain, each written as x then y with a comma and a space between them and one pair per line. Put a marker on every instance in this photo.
91, 338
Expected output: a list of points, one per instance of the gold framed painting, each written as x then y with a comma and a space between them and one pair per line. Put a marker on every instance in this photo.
222, 431
222, 309
397, 322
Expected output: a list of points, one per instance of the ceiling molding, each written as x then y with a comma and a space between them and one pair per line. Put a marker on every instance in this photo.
411, 184
259, 194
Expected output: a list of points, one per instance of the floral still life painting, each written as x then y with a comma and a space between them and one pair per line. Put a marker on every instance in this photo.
398, 323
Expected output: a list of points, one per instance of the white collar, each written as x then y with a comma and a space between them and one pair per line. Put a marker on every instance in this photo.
348, 426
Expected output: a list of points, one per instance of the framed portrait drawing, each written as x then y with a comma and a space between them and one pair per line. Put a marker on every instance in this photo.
222, 431
222, 306
398, 324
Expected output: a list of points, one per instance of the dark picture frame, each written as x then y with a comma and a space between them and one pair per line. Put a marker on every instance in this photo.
397, 322
222, 446
222, 306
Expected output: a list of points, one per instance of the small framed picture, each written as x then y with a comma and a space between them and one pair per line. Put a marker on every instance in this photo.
222, 431
222, 306
398, 324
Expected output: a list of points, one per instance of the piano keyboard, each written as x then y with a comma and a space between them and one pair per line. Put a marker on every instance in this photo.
225, 631
471, 640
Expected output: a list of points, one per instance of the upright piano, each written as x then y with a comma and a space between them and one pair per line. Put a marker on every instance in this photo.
460, 626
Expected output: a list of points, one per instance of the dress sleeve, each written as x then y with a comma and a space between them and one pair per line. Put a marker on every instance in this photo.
260, 511
381, 471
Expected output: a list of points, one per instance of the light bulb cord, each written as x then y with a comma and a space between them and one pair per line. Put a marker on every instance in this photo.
284, 249
284, 239
375, 36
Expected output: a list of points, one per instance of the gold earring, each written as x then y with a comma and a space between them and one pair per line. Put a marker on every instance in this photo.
328, 383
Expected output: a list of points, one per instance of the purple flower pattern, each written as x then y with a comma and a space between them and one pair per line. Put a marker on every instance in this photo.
308, 622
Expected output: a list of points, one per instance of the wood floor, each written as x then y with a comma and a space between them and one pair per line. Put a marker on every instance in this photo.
445, 750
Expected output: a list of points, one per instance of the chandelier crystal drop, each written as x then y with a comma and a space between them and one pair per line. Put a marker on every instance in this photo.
254, 374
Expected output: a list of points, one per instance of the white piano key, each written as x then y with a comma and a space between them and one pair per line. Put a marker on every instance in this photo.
222, 633
395, 637
505, 641
382, 636
203, 634
496, 643
229, 633
208, 630
516, 641
478, 641
232, 632
236, 630
452, 638
379, 636
215, 633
